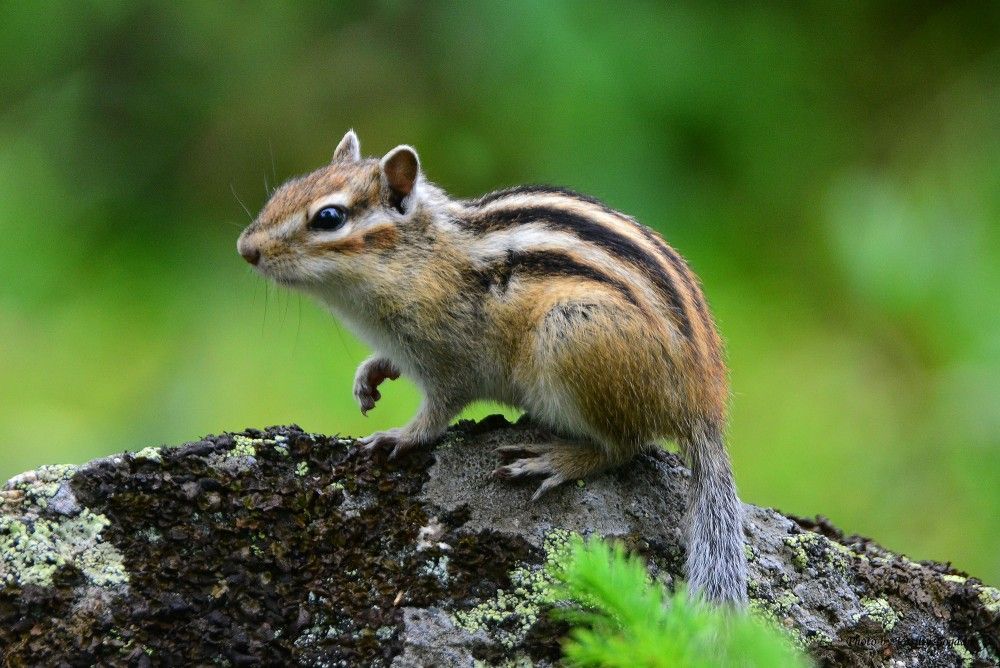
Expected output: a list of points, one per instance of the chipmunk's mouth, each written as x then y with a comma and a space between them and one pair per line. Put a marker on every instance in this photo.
277, 267
261, 265
284, 273
278, 275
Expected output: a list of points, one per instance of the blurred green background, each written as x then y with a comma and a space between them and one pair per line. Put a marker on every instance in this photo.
831, 172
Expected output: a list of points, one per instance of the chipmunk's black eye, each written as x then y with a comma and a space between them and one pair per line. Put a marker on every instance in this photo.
328, 218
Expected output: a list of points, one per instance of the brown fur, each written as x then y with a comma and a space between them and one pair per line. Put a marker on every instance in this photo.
381, 238
348, 246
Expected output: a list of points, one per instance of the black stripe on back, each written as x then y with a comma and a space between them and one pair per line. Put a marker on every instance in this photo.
618, 245
538, 189
672, 256
547, 263
533, 189
682, 269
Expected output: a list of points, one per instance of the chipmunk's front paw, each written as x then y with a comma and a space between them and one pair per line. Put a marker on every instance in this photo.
398, 439
369, 376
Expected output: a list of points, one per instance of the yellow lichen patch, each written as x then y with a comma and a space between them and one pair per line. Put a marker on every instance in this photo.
964, 655
37, 487
879, 610
32, 551
243, 455
776, 613
246, 446
33, 548
832, 554
797, 543
151, 454
990, 597
509, 615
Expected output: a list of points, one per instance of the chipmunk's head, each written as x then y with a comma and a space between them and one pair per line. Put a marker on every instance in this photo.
336, 222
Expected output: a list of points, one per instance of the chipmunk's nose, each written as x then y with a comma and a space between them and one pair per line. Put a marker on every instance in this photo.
251, 255
249, 251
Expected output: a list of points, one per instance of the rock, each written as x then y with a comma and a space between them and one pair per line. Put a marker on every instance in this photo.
280, 546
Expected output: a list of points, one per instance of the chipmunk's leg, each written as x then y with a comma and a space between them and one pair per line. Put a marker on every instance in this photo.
372, 372
586, 374
428, 425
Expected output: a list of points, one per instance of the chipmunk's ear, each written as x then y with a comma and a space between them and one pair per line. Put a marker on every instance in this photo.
400, 167
349, 149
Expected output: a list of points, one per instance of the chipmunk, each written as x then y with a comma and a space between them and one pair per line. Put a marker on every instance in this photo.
536, 297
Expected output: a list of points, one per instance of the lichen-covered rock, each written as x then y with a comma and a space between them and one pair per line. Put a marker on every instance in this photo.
283, 547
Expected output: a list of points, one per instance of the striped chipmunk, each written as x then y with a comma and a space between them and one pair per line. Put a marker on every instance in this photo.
536, 297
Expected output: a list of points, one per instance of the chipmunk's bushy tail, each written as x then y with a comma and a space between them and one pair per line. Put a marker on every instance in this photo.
716, 562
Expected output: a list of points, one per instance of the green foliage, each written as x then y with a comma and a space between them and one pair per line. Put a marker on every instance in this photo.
629, 621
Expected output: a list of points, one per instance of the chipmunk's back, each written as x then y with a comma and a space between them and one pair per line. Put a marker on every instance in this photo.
559, 238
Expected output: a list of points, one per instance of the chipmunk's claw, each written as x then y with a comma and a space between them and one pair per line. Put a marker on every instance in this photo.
538, 463
367, 395
402, 447
396, 438
549, 483
380, 440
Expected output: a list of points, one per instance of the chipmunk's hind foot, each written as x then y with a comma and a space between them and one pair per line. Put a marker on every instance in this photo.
558, 462
398, 439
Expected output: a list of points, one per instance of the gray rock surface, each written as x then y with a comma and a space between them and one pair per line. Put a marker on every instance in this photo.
280, 546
